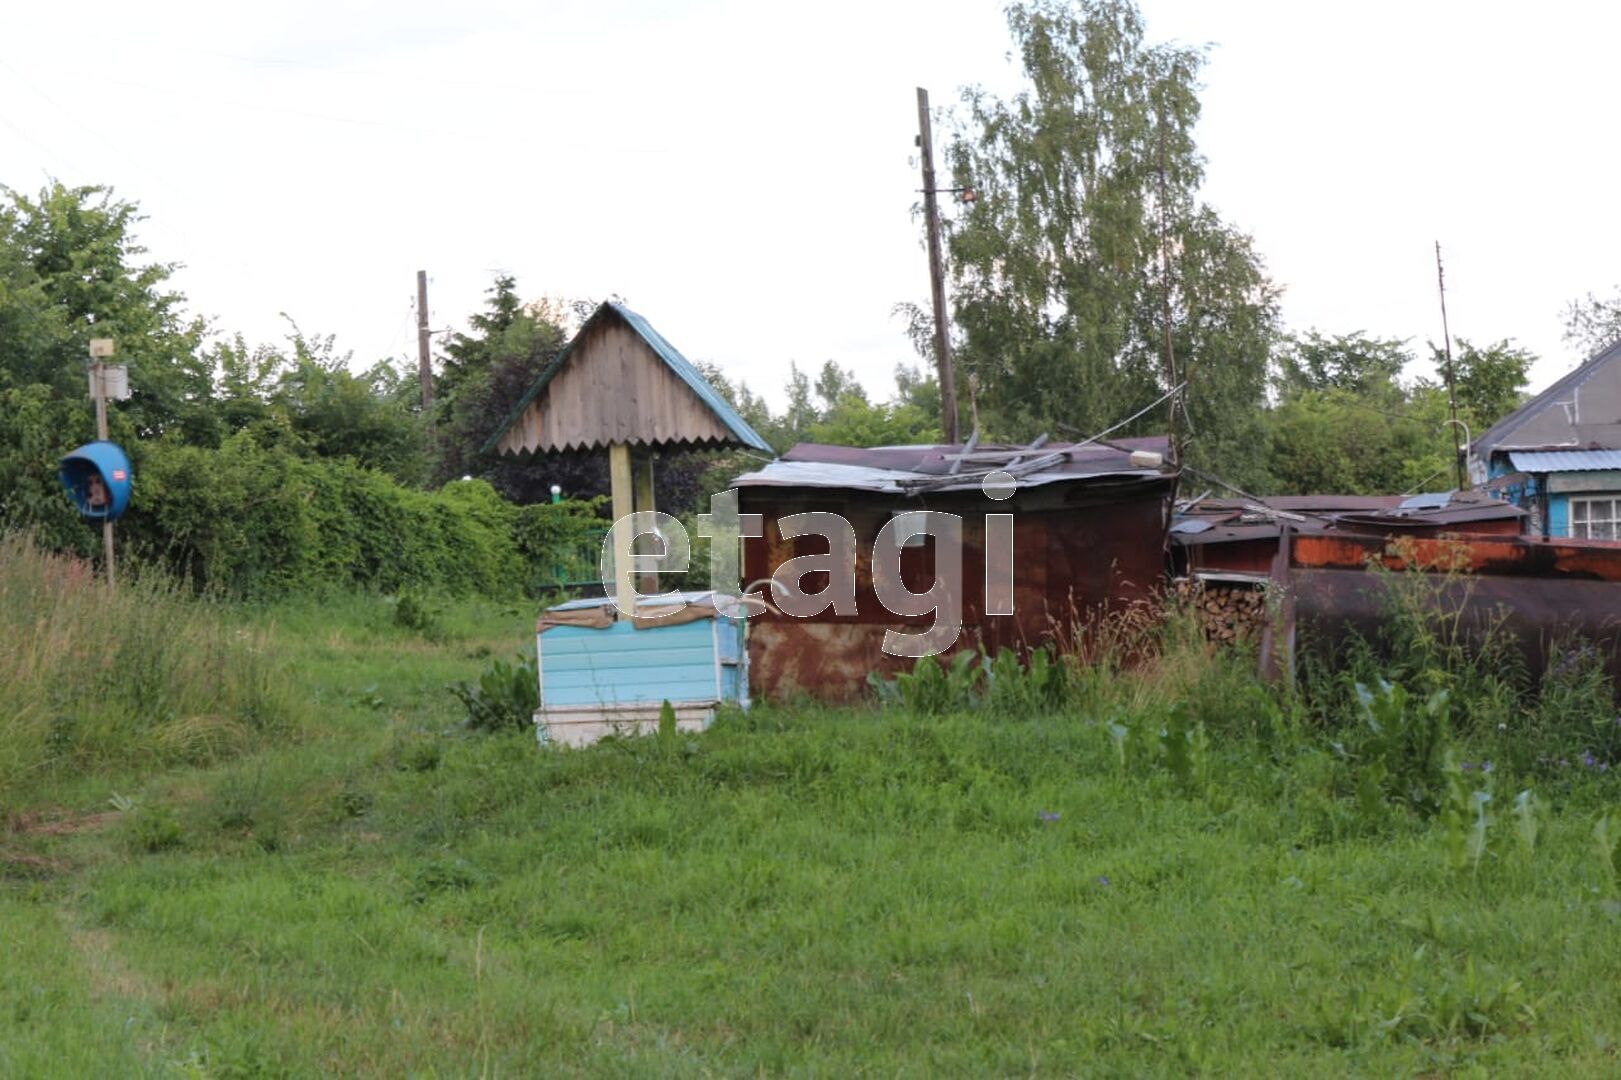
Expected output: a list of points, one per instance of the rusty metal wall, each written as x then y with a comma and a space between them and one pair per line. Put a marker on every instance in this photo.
1255, 556
1539, 592
1528, 557
1076, 547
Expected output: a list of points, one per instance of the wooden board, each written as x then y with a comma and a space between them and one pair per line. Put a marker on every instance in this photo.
613, 388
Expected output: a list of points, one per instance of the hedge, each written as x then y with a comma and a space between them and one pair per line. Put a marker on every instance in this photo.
260, 522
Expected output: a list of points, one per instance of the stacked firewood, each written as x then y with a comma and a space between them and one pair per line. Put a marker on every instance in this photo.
1228, 612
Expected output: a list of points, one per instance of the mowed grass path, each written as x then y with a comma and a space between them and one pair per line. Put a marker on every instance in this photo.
798, 891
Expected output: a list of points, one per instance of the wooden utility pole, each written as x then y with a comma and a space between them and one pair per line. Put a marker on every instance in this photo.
100, 350
1171, 439
1452, 390
424, 362
937, 273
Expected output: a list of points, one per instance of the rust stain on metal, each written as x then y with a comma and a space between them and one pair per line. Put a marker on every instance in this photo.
1521, 556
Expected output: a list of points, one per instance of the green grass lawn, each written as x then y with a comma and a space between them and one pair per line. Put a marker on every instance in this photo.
798, 890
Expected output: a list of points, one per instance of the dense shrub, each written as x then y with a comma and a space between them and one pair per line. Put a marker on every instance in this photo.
260, 522
33, 427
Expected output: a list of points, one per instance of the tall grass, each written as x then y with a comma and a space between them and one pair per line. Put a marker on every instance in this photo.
144, 675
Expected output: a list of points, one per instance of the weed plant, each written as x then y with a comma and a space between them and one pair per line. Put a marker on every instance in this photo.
504, 698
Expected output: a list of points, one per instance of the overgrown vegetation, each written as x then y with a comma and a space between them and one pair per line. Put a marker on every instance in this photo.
1149, 863
1122, 853
145, 676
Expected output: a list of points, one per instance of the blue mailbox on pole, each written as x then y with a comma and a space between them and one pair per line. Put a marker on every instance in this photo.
96, 477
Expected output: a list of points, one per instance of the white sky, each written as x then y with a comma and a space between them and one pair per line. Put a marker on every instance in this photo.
742, 173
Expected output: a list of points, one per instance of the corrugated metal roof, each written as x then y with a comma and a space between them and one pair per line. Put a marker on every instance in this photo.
666, 352
1546, 461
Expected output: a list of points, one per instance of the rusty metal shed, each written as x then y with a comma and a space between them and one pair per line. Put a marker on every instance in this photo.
1089, 531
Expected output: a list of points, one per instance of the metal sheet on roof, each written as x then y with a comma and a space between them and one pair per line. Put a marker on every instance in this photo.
823, 474
1429, 500
1192, 525
1546, 461
937, 460
826, 474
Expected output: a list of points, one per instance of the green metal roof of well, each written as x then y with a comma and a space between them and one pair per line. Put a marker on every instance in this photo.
672, 358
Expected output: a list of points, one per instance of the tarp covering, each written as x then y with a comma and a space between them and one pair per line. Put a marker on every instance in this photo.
666, 609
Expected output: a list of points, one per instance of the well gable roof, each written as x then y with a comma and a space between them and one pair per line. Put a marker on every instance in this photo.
733, 427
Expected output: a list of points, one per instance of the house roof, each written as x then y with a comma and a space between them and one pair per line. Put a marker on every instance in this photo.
907, 469
741, 434
1501, 435
1547, 461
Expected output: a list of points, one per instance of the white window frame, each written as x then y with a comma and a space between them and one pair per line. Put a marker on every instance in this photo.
1595, 517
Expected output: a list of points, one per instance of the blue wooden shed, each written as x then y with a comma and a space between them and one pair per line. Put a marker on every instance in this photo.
601, 675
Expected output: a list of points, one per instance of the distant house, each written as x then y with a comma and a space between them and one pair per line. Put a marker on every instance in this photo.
1559, 455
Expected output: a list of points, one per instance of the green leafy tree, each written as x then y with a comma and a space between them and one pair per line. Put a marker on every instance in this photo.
1346, 423
1490, 379
797, 418
502, 331
486, 373
73, 271
1086, 226
1593, 323
855, 421
1334, 441
37, 426
369, 418
70, 270
1352, 362
920, 390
